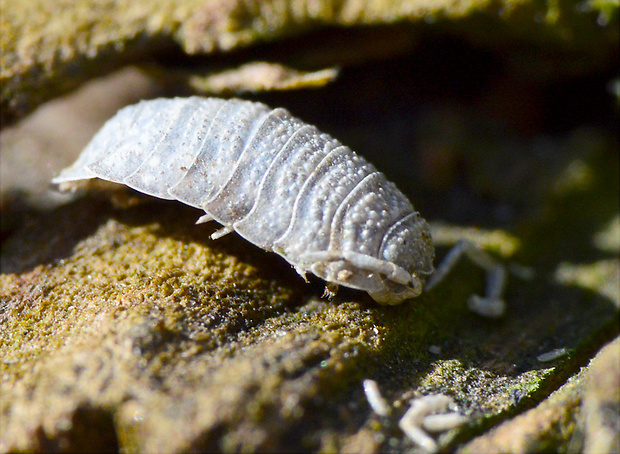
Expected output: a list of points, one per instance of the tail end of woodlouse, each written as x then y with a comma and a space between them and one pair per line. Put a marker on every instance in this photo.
72, 178
70, 186
64, 187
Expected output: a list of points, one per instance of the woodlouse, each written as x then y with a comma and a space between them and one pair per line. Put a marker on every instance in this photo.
276, 181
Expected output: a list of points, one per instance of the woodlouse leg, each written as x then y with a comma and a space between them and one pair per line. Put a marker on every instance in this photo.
302, 273
331, 290
221, 232
492, 305
204, 218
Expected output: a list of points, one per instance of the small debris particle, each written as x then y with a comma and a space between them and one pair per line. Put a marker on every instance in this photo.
553, 354
423, 414
375, 400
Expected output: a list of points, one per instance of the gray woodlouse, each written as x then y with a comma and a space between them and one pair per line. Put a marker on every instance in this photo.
276, 181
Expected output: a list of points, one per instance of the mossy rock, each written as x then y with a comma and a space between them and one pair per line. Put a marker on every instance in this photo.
125, 328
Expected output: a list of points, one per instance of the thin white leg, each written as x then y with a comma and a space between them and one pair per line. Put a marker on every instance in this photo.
221, 232
204, 218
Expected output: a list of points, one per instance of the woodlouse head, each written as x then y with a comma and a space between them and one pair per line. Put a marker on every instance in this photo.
395, 292
384, 281
408, 248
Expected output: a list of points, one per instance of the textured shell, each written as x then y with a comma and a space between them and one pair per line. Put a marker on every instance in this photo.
276, 181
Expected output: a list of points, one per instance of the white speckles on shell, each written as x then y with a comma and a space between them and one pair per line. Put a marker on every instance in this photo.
278, 182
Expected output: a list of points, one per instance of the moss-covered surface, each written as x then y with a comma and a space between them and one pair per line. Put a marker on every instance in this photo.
561, 423
123, 327
122, 320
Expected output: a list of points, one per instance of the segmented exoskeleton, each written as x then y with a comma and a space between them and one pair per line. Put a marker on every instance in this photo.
276, 181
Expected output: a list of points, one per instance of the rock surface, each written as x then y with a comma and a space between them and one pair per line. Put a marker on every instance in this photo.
50, 47
123, 327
